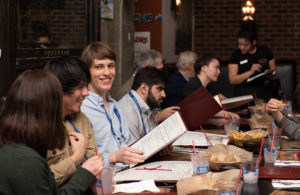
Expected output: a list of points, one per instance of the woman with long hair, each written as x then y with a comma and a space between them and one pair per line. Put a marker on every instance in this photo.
31, 123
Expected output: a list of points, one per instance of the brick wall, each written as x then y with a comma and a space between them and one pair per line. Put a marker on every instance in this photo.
67, 26
217, 24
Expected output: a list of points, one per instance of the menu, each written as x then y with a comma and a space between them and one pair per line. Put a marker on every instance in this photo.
161, 171
162, 135
198, 107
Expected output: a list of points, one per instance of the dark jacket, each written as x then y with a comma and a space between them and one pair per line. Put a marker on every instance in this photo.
174, 89
24, 171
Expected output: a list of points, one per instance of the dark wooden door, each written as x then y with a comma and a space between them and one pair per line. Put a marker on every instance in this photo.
7, 45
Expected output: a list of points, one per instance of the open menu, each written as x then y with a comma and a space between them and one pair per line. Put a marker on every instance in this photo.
235, 102
162, 135
195, 110
160, 171
199, 139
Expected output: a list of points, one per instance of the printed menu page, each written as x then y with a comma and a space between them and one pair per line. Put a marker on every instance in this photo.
198, 138
164, 134
169, 171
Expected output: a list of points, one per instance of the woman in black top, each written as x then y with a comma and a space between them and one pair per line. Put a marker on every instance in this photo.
248, 61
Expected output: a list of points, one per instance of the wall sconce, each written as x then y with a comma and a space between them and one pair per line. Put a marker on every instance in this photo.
178, 2
248, 10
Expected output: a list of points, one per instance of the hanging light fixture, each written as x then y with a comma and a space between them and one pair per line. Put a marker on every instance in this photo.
178, 2
248, 10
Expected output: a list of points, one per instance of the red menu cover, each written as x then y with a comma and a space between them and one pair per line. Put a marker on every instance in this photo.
279, 172
198, 107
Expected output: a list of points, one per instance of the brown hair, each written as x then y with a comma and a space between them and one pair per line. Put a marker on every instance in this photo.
32, 113
97, 50
204, 60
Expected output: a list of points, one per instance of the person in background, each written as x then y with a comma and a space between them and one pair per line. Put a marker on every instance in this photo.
30, 125
148, 58
107, 119
179, 79
291, 128
248, 61
207, 69
64, 162
147, 93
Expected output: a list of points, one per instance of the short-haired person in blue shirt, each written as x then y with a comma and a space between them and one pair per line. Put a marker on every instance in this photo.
107, 119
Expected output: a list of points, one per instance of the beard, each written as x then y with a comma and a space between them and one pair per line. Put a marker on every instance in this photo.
151, 101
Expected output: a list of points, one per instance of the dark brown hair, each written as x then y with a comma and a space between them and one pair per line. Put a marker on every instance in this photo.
97, 50
32, 113
204, 60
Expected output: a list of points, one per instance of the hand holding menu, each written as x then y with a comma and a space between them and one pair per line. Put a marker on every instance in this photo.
260, 75
162, 135
195, 110
198, 107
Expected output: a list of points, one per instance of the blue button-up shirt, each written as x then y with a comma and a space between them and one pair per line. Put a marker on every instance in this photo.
93, 107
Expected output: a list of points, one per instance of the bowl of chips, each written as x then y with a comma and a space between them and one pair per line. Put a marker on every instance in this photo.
249, 140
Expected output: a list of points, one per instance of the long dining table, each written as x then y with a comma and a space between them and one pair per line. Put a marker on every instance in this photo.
266, 174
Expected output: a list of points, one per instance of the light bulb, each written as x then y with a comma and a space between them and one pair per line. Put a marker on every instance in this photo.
249, 3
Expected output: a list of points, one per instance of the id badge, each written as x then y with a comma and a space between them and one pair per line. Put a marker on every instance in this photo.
122, 143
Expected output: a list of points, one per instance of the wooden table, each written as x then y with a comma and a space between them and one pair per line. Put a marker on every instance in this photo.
264, 185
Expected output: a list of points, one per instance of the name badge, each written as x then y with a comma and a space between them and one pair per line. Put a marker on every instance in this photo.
244, 62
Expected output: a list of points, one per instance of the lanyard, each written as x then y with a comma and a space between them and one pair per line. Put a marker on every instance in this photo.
77, 130
72, 123
112, 128
140, 110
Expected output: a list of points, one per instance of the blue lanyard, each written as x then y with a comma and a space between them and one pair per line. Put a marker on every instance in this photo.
77, 130
112, 128
72, 123
140, 110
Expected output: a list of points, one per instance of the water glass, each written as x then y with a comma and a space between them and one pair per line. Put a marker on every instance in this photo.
232, 124
200, 163
105, 181
251, 171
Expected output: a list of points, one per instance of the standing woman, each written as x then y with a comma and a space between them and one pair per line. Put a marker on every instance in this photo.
31, 123
248, 61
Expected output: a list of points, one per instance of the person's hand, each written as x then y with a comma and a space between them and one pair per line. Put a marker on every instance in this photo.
221, 97
165, 113
274, 105
231, 115
79, 145
127, 155
255, 68
94, 165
